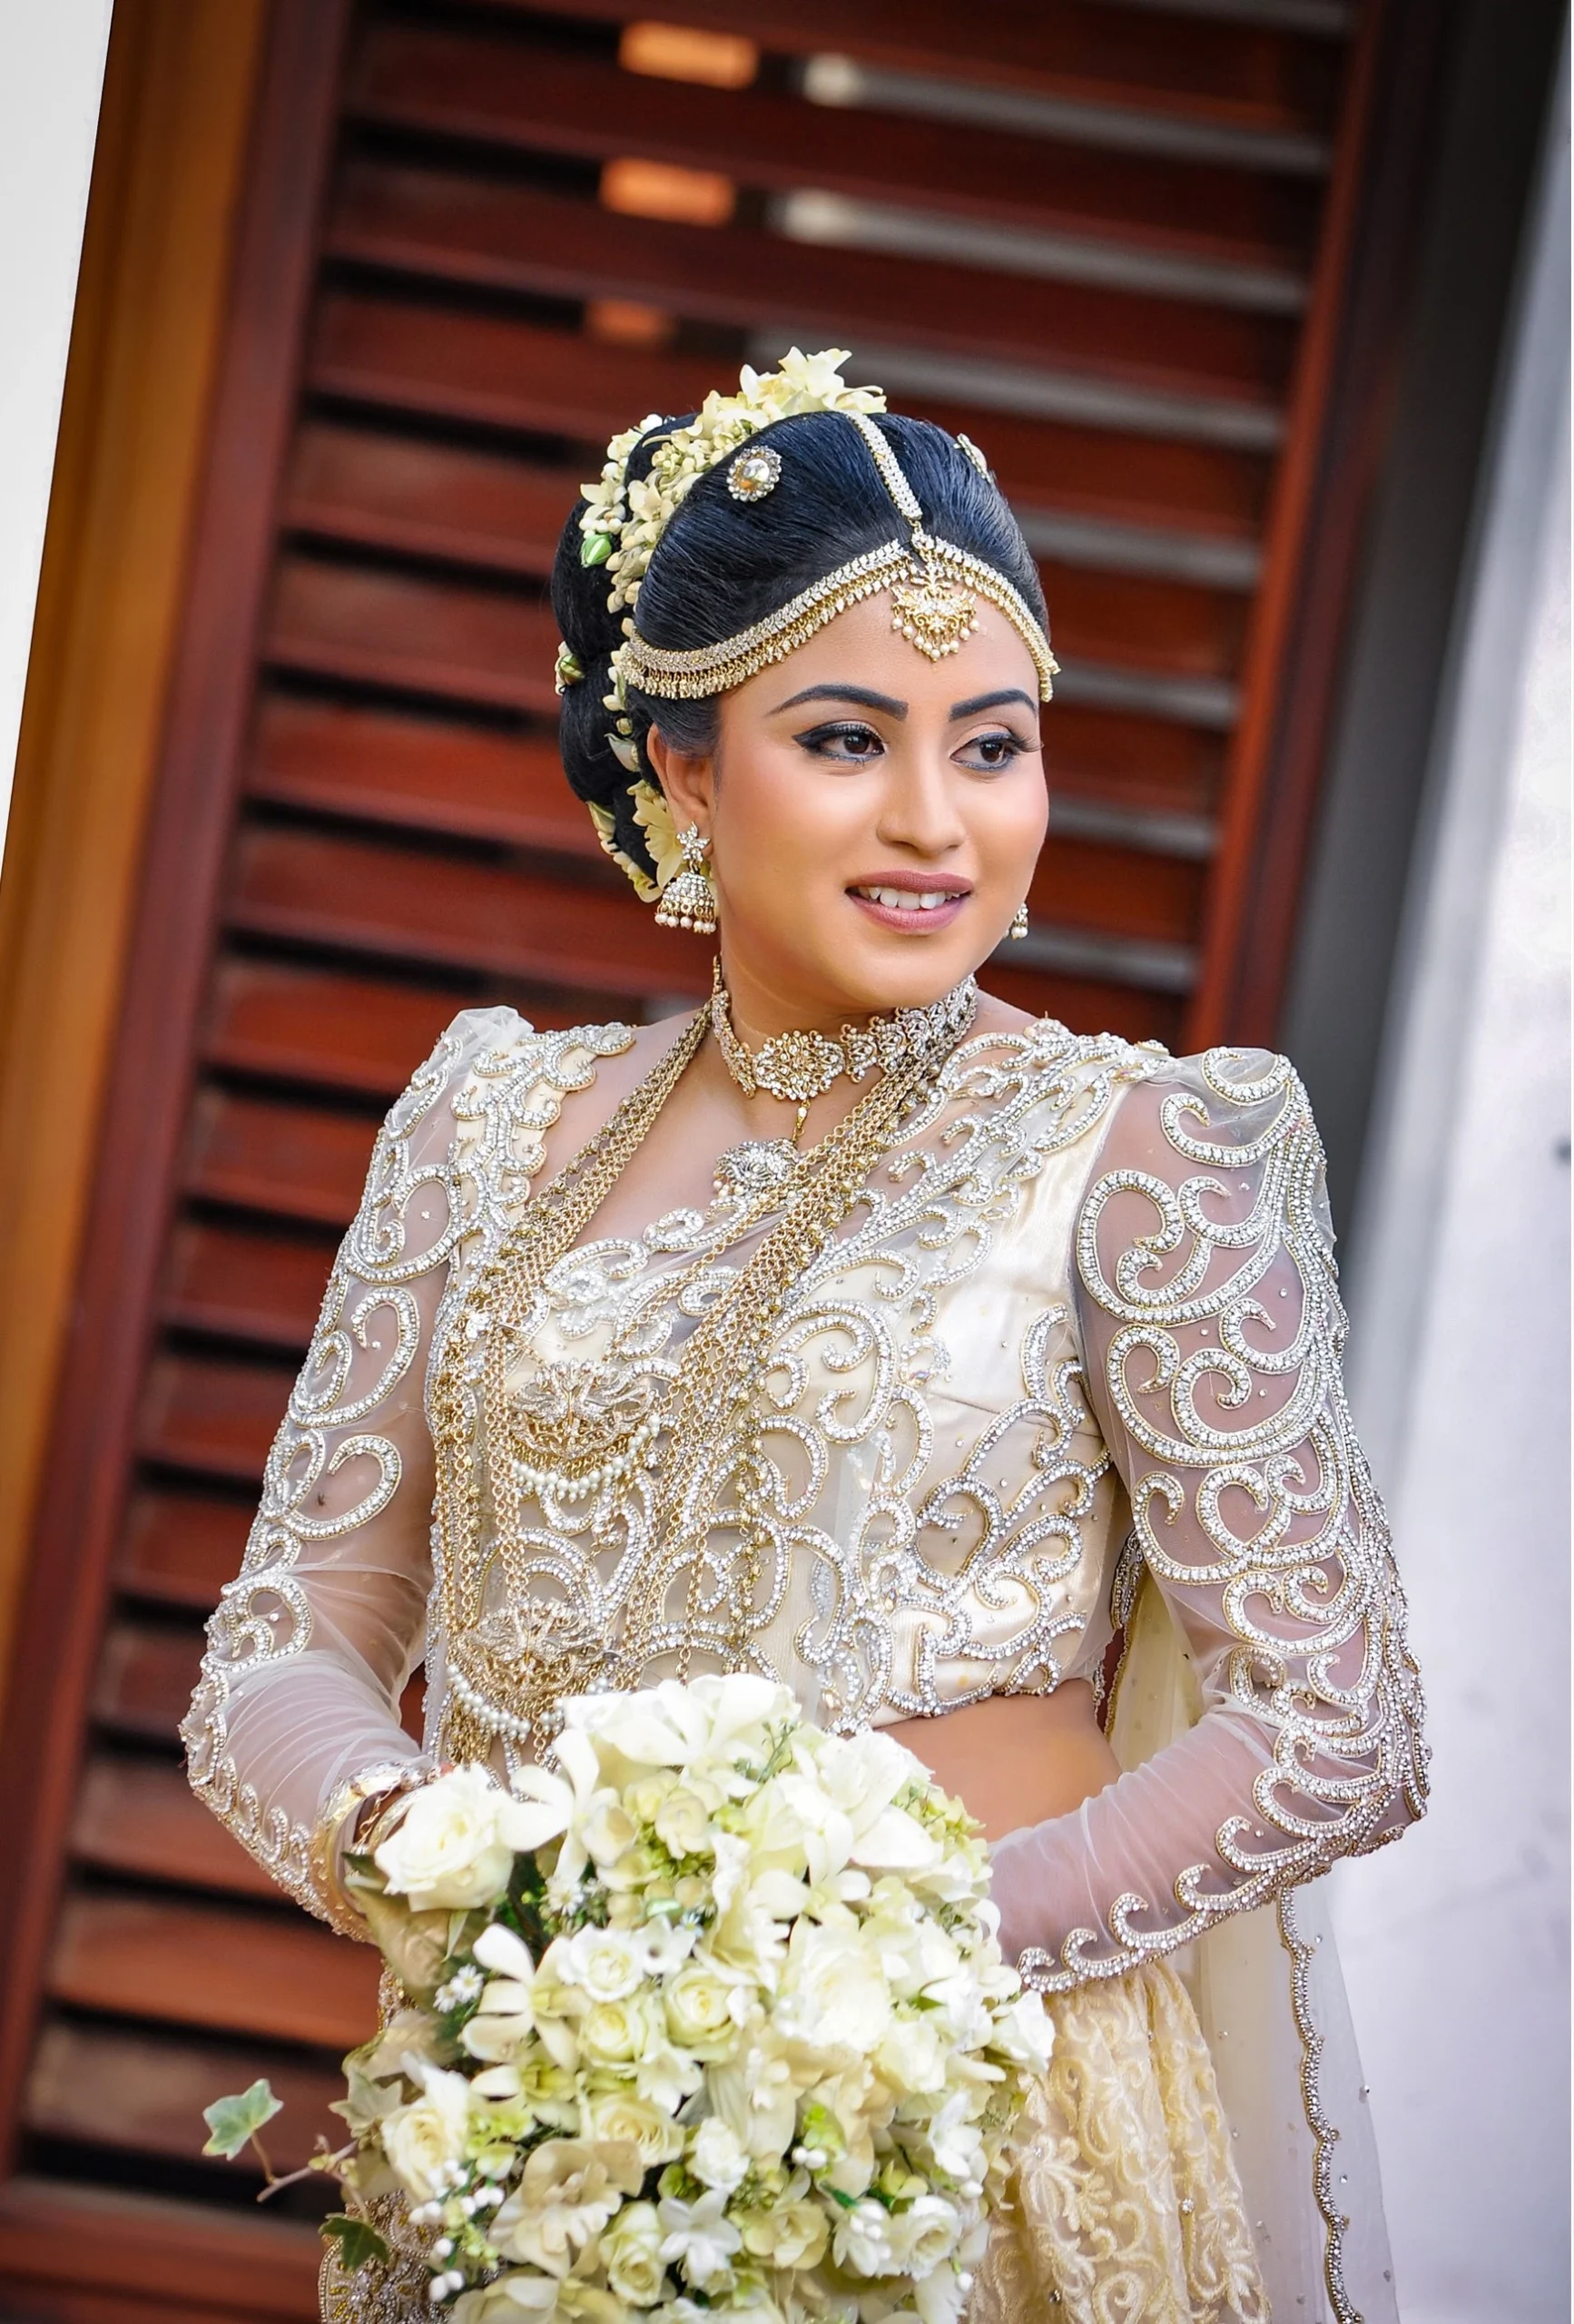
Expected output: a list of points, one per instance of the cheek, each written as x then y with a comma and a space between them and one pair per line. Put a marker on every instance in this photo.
1009, 819
776, 810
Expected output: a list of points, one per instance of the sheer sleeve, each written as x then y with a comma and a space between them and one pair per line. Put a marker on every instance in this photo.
1212, 1330
310, 1648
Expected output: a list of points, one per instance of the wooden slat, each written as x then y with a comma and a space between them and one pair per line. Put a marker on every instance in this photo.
374, 490
140, 1818
280, 1975
1125, 760
461, 86
428, 499
245, 1285
181, 1548
299, 1024
513, 238
145, 1676
1117, 891
408, 356
418, 771
1087, 1004
294, 1161
1246, 76
385, 629
102, 2086
1171, 628
212, 1415
94, 2255
314, 888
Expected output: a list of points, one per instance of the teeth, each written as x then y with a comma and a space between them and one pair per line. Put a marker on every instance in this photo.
909, 898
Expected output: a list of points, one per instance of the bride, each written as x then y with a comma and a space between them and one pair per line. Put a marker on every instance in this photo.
980, 1380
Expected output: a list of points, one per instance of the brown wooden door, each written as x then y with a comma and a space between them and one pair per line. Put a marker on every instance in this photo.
480, 240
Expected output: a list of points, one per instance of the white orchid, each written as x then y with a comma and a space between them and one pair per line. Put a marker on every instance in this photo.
699, 2237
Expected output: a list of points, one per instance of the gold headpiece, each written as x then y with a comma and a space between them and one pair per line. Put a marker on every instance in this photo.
934, 585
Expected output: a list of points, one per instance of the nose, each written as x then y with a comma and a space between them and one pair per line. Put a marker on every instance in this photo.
919, 807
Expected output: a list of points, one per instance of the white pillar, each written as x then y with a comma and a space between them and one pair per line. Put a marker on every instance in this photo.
52, 55
1455, 1943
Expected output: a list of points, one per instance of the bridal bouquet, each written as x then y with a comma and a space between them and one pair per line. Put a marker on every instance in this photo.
706, 2018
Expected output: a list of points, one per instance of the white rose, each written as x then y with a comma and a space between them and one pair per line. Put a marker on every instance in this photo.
631, 2253
863, 2240
613, 2032
425, 2140
626, 2119
925, 2234
702, 2010
717, 2157
787, 2235
833, 1995
456, 1843
603, 1961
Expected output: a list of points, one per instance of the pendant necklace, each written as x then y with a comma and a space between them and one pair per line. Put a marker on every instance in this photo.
798, 1067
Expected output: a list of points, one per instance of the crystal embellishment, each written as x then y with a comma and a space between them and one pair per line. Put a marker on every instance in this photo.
754, 473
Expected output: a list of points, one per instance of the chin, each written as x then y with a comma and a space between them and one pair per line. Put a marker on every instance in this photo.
908, 974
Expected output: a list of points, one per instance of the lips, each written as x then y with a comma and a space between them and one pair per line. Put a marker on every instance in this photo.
911, 901
909, 898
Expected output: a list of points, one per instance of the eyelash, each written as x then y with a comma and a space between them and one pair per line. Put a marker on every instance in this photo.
817, 738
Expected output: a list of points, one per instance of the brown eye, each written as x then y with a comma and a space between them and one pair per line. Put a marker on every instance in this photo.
991, 752
846, 740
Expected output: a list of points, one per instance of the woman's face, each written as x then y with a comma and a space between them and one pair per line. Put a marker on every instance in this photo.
874, 817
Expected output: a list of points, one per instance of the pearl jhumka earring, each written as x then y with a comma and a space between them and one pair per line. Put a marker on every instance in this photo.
688, 899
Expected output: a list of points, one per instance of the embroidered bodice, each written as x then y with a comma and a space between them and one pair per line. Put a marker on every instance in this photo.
1080, 1323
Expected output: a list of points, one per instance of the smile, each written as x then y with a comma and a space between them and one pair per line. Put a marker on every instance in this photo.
909, 899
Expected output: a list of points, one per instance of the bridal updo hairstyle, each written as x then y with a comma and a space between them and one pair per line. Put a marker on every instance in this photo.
723, 563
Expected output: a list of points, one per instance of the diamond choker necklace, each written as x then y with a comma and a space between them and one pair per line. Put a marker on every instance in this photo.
798, 1067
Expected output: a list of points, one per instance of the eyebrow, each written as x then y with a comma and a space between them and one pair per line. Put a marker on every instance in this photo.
864, 695
975, 703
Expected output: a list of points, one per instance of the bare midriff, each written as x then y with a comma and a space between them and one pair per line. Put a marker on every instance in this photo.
1015, 1759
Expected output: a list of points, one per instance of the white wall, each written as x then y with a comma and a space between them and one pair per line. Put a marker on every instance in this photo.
1455, 1943
52, 54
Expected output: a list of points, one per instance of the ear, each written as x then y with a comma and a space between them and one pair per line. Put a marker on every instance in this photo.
687, 778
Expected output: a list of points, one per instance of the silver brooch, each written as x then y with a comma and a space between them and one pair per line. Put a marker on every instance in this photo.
754, 473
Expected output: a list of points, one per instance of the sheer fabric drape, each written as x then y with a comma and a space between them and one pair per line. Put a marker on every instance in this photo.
312, 1643
1212, 1330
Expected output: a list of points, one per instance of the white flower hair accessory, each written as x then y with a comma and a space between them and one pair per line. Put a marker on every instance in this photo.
623, 520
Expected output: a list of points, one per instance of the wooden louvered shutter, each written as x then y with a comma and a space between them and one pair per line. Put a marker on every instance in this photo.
480, 241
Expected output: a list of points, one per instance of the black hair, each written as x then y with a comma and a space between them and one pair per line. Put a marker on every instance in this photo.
723, 563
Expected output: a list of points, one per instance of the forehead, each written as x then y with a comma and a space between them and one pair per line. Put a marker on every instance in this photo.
860, 647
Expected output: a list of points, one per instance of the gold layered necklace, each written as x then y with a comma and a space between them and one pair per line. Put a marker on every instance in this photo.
798, 1067
512, 1654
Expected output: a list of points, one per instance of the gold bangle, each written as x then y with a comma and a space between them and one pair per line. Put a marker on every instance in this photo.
397, 1777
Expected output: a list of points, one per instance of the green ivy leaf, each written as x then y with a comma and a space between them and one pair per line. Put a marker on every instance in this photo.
595, 548
233, 2122
357, 2243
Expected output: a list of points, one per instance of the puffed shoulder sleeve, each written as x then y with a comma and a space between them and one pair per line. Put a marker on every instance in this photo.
1212, 1330
296, 1716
